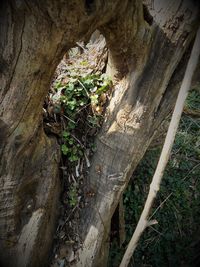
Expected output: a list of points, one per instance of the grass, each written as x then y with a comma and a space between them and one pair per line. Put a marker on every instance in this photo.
177, 208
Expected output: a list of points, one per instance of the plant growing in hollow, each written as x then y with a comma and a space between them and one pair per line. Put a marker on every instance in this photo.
81, 101
73, 195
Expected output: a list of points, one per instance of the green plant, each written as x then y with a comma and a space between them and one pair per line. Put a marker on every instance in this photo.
70, 147
73, 195
193, 99
81, 101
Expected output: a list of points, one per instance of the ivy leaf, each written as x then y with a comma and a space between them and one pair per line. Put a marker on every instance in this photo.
64, 149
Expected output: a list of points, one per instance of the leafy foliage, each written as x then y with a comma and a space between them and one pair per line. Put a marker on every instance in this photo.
193, 99
73, 195
81, 101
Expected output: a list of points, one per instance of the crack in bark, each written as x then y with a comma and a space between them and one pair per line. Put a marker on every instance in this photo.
22, 115
178, 74
17, 60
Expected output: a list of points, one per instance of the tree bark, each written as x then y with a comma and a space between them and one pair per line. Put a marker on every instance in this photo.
144, 55
145, 59
34, 37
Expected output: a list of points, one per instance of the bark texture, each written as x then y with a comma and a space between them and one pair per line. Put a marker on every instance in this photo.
34, 37
145, 59
145, 50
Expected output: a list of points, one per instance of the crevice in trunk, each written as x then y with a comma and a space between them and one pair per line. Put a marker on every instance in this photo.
80, 66
147, 16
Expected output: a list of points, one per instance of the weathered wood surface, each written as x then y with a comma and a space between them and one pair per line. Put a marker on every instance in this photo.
34, 35
144, 56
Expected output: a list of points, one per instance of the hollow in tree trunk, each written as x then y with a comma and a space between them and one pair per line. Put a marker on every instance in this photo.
148, 45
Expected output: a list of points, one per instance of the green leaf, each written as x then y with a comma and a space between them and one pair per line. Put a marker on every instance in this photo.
71, 141
71, 125
70, 87
72, 104
73, 158
64, 149
66, 134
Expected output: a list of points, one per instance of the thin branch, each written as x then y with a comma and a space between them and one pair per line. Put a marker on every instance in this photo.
84, 88
161, 204
164, 157
155, 230
191, 171
68, 118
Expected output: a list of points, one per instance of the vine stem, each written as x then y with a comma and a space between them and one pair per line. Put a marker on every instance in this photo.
143, 222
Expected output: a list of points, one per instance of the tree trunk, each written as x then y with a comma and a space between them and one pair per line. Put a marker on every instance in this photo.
145, 51
34, 37
145, 60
